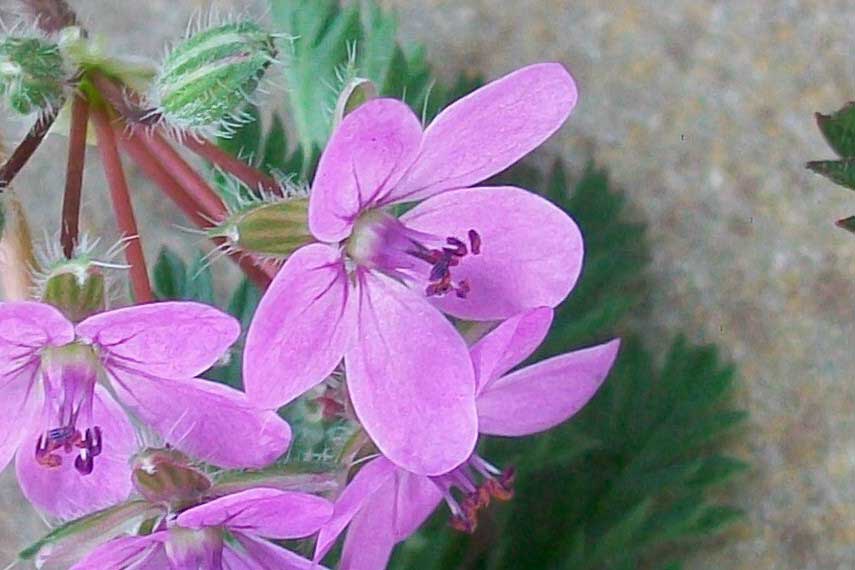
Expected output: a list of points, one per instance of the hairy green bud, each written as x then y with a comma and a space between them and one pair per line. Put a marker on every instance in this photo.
32, 74
167, 476
208, 75
271, 229
75, 287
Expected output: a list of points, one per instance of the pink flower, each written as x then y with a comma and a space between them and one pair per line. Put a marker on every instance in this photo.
370, 291
66, 391
385, 504
196, 539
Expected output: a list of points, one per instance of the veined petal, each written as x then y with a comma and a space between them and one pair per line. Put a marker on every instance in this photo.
545, 394
509, 344
301, 327
490, 129
170, 339
20, 401
27, 327
370, 480
263, 555
207, 420
531, 251
126, 552
270, 513
371, 537
410, 379
366, 156
62, 491
416, 497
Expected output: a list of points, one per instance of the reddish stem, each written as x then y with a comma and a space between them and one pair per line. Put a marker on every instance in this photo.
250, 176
28, 146
74, 175
122, 207
134, 144
208, 200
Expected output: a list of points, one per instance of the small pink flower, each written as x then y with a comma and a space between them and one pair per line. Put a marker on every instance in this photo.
384, 504
370, 291
196, 539
66, 391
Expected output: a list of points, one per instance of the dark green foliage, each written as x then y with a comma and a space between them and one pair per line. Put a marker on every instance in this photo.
839, 131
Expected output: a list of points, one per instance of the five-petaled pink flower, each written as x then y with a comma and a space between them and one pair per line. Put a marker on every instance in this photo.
385, 504
66, 392
225, 534
370, 291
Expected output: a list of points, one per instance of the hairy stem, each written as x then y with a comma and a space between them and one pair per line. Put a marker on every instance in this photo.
74, 175
122, 207
250, 176
133, 143
28, 146
208, 200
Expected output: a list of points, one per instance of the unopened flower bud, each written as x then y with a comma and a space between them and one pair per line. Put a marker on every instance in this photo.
76, 287
272, 229
167, 476
211, 73
357, 91
32, 74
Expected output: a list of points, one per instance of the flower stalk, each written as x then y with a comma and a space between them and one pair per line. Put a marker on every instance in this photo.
21, 155
74, 175
122, 207
250, 176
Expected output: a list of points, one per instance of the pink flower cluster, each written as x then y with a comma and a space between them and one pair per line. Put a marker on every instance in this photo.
371, 297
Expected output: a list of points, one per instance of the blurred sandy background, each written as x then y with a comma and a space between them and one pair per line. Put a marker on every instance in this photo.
703, 112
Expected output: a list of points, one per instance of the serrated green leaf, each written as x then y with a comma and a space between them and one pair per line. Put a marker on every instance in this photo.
839, 130
200, 281
275, 147
169, 275
838, 171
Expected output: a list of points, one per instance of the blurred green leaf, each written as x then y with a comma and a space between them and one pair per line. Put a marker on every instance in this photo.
169, 275
841, 172
839, 130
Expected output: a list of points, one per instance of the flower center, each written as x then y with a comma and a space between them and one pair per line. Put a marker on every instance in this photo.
380, 241
478, 483
69, 373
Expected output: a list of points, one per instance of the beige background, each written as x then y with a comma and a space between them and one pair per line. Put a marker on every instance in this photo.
703, 111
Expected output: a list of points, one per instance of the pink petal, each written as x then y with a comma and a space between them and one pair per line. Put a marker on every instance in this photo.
509, 344
207, 420
371, 536
545, 394
371, 479
171, 340
489, 130
20, 401
410, 379
366, 156
127, 552
416, 499
531, 251
65, 493
300, 329
27, 327
263, 555
270, 513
